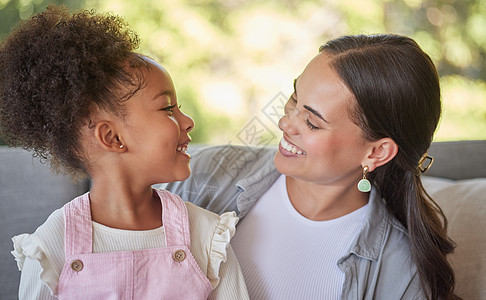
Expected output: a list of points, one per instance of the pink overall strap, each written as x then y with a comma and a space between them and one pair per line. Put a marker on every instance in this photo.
175, 220
77, 226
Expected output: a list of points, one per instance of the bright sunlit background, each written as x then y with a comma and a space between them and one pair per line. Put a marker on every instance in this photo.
233, 61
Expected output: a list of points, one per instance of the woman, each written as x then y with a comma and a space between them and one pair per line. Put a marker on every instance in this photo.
364, 110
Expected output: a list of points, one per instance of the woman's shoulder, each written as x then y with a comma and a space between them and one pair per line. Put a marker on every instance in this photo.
383, 234
398, 241
385, 264
395, 245
396, 231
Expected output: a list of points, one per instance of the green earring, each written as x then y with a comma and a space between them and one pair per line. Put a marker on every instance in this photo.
364, 184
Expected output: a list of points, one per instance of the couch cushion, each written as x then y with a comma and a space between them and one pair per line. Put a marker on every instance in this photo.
464, 204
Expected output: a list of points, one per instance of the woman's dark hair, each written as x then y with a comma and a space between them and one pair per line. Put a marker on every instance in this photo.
55, 68
397, 90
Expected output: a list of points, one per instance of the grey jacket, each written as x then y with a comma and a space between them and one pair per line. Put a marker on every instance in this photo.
379, 263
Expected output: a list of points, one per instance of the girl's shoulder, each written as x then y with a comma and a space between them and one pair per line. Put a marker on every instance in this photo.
46, 241
201, 215
53, 225
46, 246
48, 235
201, 218
210, 239
207, 223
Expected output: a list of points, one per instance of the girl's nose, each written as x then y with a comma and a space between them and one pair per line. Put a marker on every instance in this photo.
187, 123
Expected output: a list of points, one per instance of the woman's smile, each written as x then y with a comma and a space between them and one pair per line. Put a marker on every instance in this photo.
288, 149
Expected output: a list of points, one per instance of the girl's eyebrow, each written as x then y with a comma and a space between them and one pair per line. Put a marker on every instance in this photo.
168, 93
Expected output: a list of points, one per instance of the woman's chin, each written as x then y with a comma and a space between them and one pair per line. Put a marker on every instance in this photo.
280, 163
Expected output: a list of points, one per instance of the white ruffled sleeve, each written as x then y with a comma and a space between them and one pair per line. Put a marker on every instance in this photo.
219, 245
38, 275
18, 252
210, 245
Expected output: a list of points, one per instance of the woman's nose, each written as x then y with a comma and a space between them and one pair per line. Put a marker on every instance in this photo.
287, 122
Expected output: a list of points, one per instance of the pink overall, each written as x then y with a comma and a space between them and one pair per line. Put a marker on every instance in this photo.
164, 273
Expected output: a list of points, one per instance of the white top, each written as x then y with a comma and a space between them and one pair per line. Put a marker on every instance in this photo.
305, 269
40, 256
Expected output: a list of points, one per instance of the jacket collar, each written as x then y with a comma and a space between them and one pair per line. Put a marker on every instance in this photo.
257, 182
370, 240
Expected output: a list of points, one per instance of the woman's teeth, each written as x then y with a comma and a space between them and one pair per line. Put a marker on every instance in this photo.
182, 149
290, 147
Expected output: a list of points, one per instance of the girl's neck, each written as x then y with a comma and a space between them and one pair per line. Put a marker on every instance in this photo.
117, 204
322, 202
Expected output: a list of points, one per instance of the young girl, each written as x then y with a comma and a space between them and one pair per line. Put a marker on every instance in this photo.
72, 90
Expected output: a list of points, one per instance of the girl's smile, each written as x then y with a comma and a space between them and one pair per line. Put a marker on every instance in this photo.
182, 148
156, 131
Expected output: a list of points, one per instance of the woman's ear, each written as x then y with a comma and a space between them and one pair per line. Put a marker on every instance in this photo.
107, 137
381, 152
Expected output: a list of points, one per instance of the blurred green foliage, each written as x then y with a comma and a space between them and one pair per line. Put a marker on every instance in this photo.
229, 58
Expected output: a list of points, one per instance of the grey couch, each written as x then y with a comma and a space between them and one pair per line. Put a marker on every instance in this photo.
29, 192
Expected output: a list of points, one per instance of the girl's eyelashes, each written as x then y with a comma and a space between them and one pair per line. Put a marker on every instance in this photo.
169, 108
310, 125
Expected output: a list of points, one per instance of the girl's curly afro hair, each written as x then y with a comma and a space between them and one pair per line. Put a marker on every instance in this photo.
55, 68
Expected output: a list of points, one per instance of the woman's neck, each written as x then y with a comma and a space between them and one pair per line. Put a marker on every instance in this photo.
322, 202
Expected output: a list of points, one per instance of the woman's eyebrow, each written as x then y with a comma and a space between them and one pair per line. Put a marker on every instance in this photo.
310, 109
315, 112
